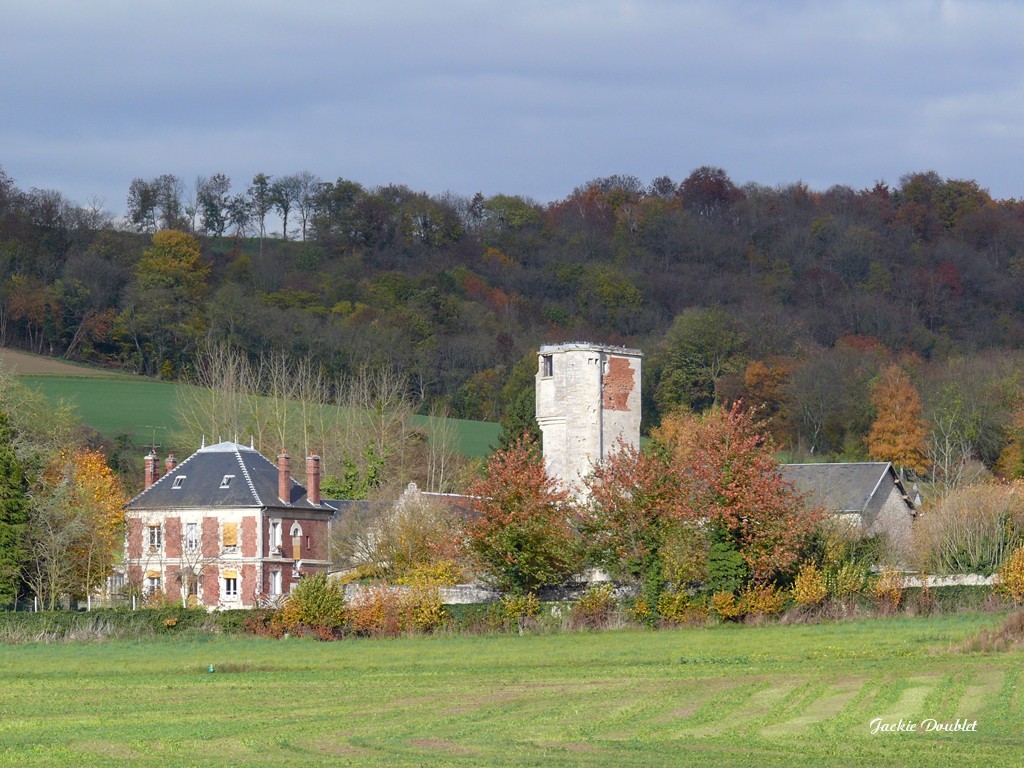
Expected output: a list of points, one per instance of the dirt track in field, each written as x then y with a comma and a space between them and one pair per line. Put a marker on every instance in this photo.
26, 364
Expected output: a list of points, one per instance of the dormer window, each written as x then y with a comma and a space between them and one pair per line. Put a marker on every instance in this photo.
178, 482
226, 482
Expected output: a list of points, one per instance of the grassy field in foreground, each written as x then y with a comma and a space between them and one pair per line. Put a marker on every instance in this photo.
752, 696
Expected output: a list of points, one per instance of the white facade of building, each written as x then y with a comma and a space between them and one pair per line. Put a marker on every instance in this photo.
588, 400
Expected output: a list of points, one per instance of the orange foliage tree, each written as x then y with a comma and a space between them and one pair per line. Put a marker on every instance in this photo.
523, 535
898, 434
731, 479
634, 496
765, 383
97, 499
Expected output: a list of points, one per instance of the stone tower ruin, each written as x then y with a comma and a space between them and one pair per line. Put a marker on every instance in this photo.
588, 398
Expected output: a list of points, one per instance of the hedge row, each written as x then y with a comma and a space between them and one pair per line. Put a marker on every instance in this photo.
117, 622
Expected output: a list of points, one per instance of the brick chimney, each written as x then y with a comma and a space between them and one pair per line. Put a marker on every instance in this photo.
284, 477
170, 463
313, 479
152, 472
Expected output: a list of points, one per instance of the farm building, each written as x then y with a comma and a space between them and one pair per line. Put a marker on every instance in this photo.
226, 526
868, 495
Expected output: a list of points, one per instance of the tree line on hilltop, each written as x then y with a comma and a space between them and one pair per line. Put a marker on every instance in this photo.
800, 302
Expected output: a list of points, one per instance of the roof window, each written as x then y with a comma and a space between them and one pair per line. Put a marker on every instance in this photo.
226, 482
178, 482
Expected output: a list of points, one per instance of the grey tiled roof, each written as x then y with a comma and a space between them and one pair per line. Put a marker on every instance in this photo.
842, 487
223, 475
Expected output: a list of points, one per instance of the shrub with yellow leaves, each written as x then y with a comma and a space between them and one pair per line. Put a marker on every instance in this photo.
809, 587
887, 590
1011, 576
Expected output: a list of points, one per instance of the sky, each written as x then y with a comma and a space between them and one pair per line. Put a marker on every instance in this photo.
523, 97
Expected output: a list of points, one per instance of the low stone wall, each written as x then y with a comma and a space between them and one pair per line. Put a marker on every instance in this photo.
960, 580
472, 594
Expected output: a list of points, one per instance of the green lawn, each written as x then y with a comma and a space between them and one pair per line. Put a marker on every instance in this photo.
145, 409
121, 405
764, 696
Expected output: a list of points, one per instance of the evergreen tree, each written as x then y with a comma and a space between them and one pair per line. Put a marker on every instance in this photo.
14, 515
519, 396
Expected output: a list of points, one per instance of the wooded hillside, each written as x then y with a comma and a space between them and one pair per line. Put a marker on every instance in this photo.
794, 299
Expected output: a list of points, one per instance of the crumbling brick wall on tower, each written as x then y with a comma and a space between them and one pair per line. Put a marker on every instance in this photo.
617, 384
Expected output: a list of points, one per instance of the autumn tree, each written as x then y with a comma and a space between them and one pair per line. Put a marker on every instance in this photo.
898, 433
163, 303
708, 190
765, 382
76, 528
96, 494
636, 500
397, 536
522, 535
731, 479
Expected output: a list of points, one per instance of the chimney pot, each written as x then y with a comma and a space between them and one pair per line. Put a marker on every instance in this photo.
284, 477
170, 463
313, 479
152, 471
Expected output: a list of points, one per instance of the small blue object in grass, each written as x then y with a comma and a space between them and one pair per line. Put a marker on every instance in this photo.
211, 667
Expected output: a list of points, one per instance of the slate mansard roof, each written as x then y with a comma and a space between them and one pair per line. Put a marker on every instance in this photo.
844, 488
223, 475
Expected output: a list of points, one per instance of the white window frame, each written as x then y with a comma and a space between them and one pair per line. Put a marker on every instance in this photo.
178, 482
152, 584
276, 583
231, 587
226, 481
191, 537
275, 535
154, 537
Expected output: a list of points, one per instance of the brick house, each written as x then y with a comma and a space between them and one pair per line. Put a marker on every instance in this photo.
226, 526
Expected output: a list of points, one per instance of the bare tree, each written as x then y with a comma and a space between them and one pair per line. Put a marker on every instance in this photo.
444, 459
219, 401
54, 528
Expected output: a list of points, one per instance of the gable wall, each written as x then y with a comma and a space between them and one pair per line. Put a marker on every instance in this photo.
888, 514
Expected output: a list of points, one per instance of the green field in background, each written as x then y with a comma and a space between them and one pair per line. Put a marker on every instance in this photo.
796, 695
144, 409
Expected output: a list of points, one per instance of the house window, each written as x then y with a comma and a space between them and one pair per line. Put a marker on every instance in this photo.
231, 585
230, 537
178, 482
226, 482
191, 536
152, 585
154, 537
116, 583
275, 582
547, 365
275, 535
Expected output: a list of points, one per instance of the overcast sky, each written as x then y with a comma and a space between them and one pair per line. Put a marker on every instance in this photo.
529, 98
